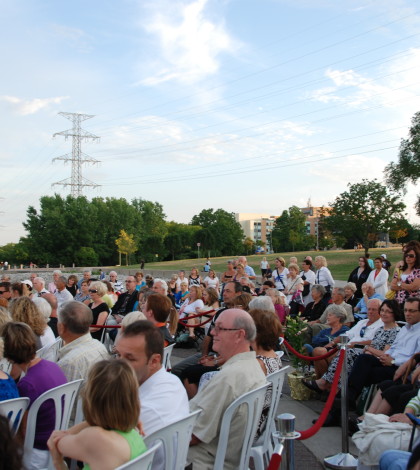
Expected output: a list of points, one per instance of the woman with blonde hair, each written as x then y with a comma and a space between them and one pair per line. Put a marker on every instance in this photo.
24, 310
100, 309
188, 308
194, 278
323, 276
109, 437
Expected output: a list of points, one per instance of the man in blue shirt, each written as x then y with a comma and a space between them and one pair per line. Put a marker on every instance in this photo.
248, 269
368, 293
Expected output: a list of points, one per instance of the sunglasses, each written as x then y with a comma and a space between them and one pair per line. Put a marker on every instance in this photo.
409, 255
93, 291
362, 331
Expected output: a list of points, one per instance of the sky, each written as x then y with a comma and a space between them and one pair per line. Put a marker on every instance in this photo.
246, 105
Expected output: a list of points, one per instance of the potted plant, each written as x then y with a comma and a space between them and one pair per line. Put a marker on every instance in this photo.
293, 335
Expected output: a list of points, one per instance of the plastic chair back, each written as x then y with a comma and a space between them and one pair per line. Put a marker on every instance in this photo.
175, 439
263, 448
14, 410
5, 365
50, 352
254, 402
63, 397
167, 353
142, 462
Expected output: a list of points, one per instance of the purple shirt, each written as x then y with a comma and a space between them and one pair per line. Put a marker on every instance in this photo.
40, 378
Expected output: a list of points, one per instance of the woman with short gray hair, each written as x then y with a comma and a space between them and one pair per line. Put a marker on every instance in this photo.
316, 308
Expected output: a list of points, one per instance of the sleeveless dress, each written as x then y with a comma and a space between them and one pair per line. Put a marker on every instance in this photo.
135, 441
272, 364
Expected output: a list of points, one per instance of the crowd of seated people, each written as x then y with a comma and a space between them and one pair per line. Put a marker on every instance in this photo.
146, 313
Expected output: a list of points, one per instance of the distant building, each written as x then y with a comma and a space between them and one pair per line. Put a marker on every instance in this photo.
259, 226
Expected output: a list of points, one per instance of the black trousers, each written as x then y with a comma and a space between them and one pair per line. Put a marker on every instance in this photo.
367, 370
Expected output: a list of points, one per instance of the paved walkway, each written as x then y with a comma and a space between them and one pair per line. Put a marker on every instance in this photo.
310, 453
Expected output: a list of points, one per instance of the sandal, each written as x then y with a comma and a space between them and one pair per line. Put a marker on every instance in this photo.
312, 385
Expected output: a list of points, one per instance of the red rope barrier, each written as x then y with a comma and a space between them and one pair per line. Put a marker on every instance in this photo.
275, 462
323, 416
183, 321
310, 358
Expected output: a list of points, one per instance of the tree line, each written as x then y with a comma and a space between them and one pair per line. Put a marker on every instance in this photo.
75, 230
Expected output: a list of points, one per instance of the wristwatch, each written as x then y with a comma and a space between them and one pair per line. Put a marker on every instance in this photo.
393, 362
399, 283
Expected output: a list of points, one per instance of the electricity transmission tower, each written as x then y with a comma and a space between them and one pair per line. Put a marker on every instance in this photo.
77, 157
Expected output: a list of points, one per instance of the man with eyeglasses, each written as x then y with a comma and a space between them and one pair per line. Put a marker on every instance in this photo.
369, 369
233, 333
124, 304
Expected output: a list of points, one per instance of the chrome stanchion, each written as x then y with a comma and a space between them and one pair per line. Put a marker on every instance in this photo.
343, 460
286, 432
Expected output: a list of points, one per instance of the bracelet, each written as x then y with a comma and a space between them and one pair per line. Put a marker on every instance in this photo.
215, 360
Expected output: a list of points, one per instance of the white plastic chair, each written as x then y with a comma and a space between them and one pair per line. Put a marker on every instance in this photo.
14, 410
261, 450
175, 439
5, 366
50, 352
254, 401
167, 353
63, 397
143, 461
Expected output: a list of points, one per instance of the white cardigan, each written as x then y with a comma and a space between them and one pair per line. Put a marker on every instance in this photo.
380, 284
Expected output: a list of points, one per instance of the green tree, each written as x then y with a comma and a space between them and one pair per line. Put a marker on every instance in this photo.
407, 169
289, 232
220, 234
86, 256
126, 245
366, 208
179, 241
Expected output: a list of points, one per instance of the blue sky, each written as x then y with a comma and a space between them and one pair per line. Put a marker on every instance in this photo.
251, 106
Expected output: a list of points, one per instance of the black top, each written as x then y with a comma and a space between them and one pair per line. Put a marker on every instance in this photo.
313, 311
103, 307
359, 280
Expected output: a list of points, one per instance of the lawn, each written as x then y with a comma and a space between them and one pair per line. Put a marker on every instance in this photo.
340, 262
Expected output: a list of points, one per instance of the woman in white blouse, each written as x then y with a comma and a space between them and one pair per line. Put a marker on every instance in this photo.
379, 278
323, 276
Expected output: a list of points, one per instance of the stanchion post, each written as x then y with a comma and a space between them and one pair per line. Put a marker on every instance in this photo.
343, 460
286, 431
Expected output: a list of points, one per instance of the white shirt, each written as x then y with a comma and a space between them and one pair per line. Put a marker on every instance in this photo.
63, 296
163, 400
211, 282
380, 282
369, 331
48, 337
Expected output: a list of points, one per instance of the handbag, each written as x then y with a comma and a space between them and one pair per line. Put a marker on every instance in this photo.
392, 293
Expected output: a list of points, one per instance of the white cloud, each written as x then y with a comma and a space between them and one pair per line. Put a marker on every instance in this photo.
396, 83
25, 107
75, 37
190, 43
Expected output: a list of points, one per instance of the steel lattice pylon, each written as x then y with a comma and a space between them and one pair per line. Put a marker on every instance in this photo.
77, 157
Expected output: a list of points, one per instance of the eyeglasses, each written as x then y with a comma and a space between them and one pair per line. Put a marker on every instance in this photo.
409, 255
411, 310
93, 291
218, 329
362, 331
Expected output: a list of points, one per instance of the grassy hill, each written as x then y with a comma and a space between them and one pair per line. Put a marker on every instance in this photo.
340, 262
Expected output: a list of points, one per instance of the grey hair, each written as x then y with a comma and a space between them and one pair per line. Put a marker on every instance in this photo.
320, 289
351, 286
245, 322
338, 311
57, 271
41, 280
76, 317
163, 283
113, 272
63, 279
43, 306
132, 317
263, 302
340, 291
87, 271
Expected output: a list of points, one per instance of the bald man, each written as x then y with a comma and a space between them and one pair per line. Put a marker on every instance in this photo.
233, 333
